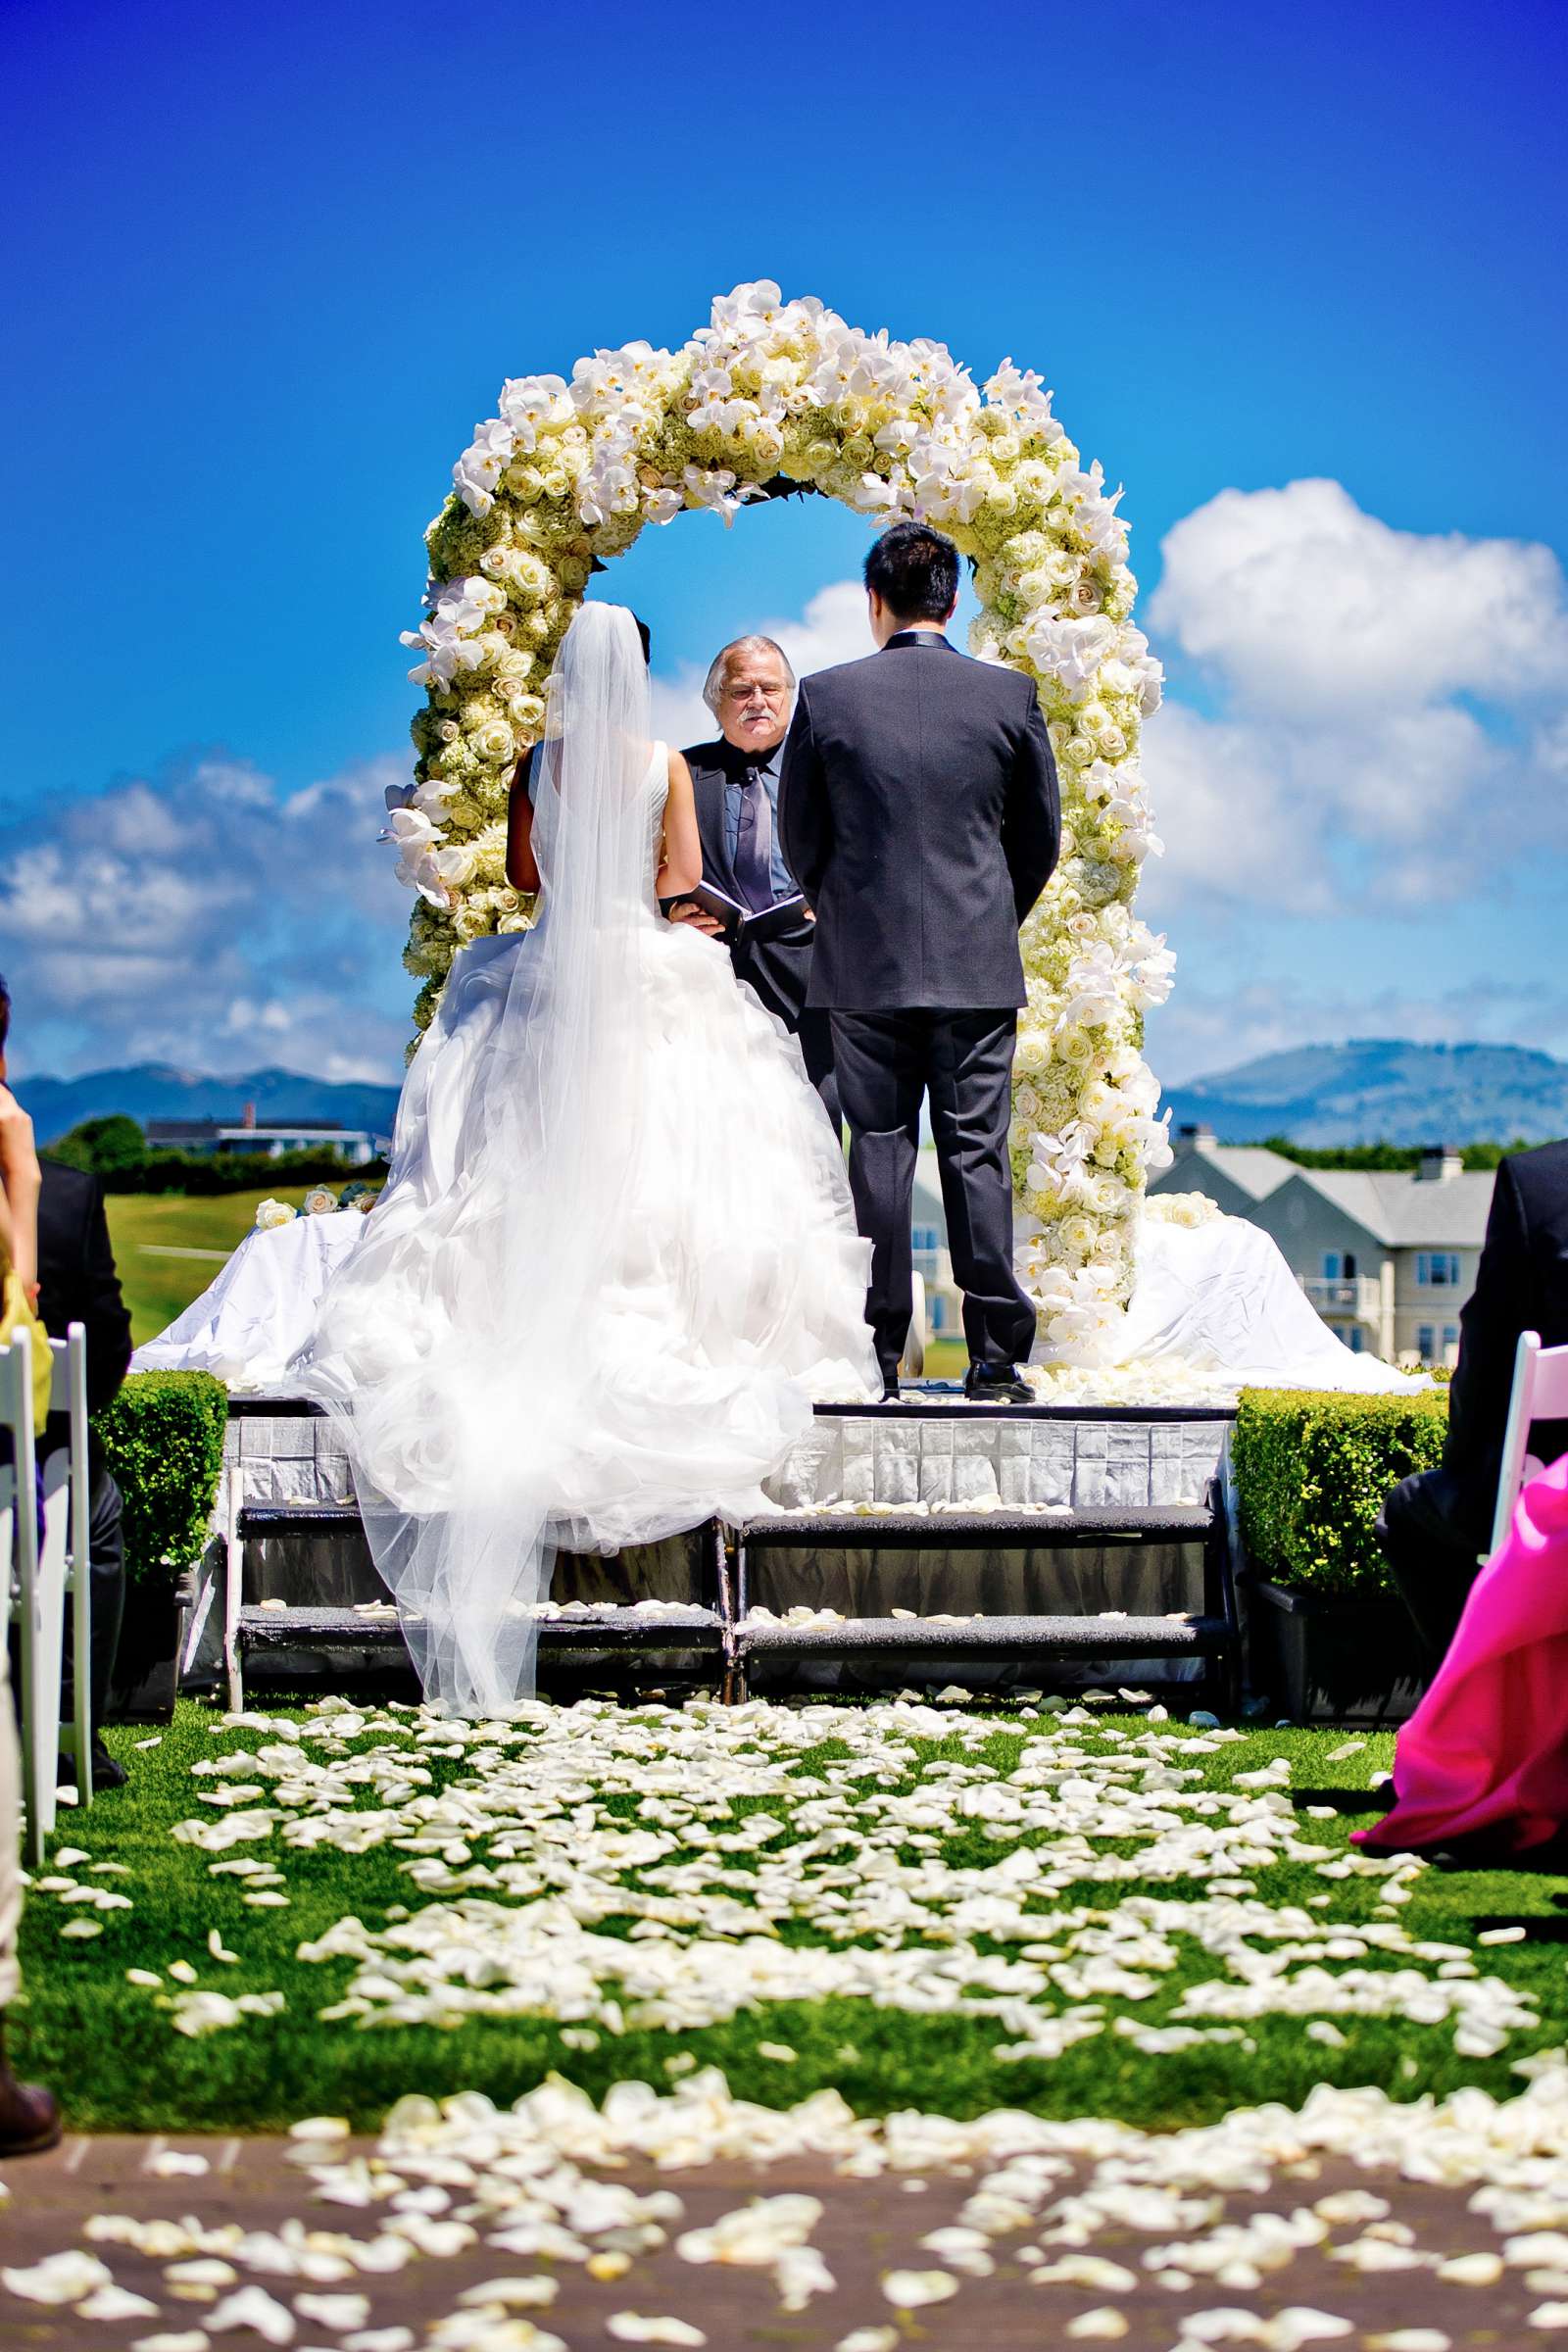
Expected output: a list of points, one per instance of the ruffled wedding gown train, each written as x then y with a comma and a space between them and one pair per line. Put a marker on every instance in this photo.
615, 1263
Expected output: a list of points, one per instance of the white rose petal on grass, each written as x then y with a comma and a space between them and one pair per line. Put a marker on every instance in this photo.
868, 2339
176, 2164
183, 2339
1101, 2327
59, 2279
632, 2327
911, 2290
1549, 2315
81, 1929
1411, 2340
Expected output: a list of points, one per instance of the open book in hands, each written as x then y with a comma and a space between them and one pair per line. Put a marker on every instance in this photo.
738, 922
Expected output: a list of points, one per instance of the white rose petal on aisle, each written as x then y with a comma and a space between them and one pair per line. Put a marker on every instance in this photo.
773, 397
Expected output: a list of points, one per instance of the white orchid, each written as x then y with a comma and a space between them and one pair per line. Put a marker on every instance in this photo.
1070, 649
481, 465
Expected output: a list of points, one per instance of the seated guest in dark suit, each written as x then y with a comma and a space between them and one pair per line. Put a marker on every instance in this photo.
749, 689
1437, 1524
77, 1284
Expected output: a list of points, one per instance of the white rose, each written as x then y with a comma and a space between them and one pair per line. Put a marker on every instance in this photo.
494, 741
272, 1213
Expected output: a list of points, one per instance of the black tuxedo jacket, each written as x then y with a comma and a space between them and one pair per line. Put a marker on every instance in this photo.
78, 1282
778, 968
918, 807
1521, 1285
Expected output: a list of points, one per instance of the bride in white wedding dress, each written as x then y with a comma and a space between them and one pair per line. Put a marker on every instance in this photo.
615, 1258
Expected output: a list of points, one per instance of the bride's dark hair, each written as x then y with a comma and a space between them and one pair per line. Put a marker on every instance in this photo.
645, 634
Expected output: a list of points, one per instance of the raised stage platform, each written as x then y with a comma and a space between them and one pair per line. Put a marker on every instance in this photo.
922, 1542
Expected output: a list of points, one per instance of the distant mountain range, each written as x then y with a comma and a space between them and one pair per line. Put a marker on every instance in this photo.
1382, 1090
153, 1090
1374, 1090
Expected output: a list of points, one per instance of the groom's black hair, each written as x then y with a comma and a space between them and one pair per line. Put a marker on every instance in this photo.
914, 571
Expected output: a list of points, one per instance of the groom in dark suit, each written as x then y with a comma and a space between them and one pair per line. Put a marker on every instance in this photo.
735, 784
918, 810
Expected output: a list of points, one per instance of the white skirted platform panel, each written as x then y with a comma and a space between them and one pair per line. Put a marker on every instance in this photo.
929, 1456
954, 1457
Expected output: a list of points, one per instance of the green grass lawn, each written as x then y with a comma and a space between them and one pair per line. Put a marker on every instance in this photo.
144, 1226
881, 1810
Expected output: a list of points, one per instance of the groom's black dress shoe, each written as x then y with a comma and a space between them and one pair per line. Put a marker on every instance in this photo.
890, 1387
996, 1384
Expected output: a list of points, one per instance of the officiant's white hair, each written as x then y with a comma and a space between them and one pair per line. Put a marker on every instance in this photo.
719, 668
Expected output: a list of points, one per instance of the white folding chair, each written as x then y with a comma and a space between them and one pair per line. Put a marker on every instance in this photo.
37, 1576
1540, 1394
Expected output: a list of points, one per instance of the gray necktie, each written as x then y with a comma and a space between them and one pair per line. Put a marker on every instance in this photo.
754, 847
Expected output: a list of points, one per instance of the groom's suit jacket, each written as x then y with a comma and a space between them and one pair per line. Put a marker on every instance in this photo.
918, 810
777, 968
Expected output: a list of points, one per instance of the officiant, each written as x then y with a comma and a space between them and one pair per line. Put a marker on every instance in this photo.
751, 691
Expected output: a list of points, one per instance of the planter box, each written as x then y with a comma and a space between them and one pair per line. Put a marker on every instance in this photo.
1326, 1657
142, 1687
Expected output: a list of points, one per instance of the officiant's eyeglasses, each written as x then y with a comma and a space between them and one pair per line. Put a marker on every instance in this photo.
747, 694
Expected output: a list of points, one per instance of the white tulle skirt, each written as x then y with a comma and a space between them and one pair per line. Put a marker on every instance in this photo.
731, 1293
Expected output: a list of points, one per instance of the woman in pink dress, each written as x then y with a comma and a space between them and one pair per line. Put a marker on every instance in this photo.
1483, 1763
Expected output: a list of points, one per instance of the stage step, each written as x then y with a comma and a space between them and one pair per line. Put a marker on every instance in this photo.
602, 1628
992, 1637
718, 1627
1211, 1634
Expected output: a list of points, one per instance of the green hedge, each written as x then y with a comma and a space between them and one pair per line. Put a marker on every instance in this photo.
203, 1173
1311, 1470
163, 1436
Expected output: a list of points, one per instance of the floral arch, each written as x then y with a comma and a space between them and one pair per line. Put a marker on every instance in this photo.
769, 399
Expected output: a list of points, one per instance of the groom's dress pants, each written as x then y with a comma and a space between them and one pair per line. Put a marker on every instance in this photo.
886, 1062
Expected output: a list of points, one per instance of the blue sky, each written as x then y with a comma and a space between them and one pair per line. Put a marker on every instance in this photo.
277, 263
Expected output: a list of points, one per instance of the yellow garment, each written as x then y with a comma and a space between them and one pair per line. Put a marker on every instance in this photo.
17, 1315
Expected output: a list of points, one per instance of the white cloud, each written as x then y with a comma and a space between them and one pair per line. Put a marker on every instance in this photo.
1304, 603
205, 917
1391, 721
833, 628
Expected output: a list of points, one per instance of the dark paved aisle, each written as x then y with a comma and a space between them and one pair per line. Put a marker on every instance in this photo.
866, 2228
